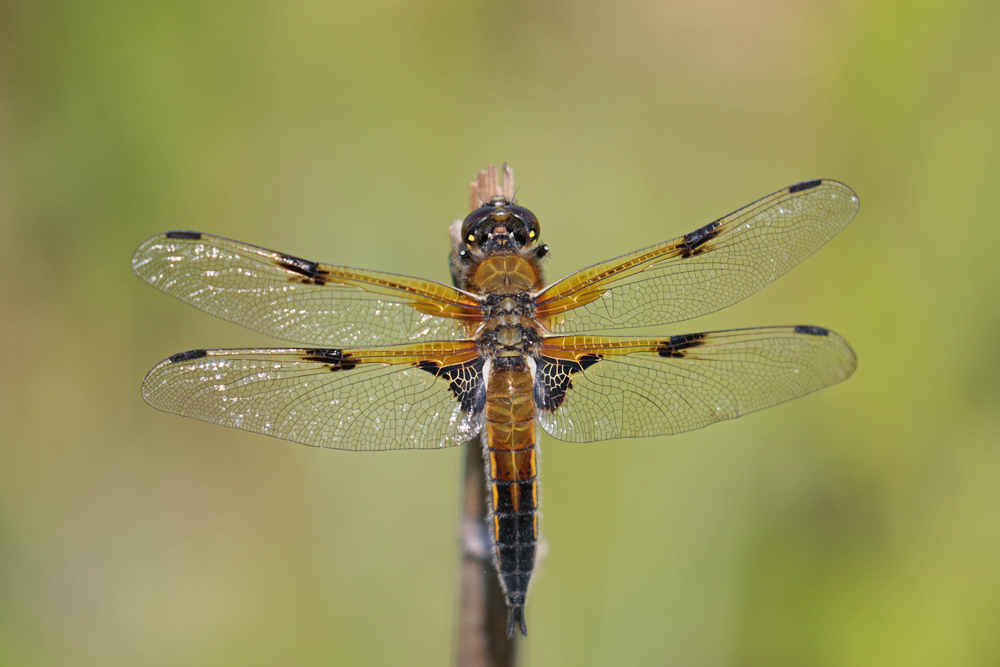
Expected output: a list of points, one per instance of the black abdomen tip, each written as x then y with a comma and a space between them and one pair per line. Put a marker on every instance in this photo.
515, 619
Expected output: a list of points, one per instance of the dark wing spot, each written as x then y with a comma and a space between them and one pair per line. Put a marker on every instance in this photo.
805, 185
190, 236
310, 271
691, 244
336, 360
811, 331
553, 378
465, 380
674, 348
188, 356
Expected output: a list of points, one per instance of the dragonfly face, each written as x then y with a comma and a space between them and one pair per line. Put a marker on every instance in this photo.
396, 362
499, 225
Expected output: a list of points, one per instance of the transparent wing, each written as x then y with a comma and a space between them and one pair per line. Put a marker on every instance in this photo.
595, 388
302, 301
414, 396
710, 268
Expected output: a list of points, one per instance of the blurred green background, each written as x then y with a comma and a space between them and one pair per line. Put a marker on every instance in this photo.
857, 526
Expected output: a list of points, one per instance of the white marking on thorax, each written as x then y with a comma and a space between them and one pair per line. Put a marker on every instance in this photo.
531, 366
487, 369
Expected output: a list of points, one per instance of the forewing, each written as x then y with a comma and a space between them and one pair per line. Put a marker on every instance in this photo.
594, 388
710, 268
299, 300
407, 397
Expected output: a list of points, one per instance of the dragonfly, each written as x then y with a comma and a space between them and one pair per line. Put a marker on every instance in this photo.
388, 361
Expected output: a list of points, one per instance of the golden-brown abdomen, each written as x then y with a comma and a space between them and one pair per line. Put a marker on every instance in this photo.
513, 478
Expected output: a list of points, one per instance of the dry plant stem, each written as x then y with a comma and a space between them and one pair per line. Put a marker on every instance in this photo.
482, 616
482, 620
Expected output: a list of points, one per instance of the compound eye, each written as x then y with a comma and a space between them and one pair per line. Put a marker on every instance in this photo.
532, 229
472, 220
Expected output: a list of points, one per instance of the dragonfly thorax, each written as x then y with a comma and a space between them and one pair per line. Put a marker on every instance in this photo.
518, 304
510, 330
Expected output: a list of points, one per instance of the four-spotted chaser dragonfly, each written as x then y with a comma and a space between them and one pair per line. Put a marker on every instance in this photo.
406, 363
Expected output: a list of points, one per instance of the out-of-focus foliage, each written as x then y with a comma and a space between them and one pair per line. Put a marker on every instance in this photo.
858, 526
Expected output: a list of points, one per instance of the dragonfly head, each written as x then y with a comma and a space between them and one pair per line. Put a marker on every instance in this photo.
500, 225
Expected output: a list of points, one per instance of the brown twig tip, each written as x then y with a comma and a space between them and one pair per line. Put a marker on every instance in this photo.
489, 184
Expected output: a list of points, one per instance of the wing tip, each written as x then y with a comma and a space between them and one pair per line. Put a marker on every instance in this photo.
812, 184
140, 257
837, 341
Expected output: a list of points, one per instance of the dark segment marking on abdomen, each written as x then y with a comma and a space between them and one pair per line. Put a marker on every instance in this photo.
511, 496
516, 528
805, 185
187, 356
521, 554
811, 330
188, 236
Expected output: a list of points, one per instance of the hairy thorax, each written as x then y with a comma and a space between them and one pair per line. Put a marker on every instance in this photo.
510, 332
